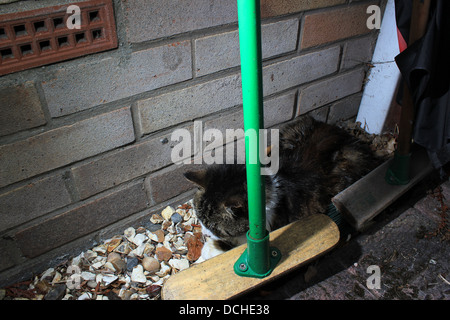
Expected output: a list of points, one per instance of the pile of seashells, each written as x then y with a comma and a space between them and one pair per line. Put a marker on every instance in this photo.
130, 266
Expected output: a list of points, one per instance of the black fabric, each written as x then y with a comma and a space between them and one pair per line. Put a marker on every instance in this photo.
425, 66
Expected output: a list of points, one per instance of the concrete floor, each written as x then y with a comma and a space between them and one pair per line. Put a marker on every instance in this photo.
398, 246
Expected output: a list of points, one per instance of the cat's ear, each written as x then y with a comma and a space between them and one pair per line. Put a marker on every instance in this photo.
197, 177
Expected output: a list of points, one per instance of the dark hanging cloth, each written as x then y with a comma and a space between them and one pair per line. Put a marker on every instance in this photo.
425, 66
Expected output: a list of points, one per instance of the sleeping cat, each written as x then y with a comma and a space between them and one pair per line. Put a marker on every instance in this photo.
316, 161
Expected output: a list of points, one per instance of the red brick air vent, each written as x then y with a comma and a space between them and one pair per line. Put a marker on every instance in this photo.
42, 36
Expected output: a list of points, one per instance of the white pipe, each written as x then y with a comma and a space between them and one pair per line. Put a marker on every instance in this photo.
383, 78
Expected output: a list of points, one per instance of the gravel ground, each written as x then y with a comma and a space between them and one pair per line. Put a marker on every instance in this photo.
129, 266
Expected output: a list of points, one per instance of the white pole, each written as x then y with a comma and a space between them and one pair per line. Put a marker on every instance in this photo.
383, 78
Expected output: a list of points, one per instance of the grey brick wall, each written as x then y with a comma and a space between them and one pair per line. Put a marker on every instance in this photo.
85, 144
21, 109
114, 78
67, 144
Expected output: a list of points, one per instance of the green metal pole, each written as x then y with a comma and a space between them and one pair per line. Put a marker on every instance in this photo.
258, 260
250, 44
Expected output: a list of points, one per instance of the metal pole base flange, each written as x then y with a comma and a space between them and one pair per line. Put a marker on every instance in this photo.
258, 260
398, 172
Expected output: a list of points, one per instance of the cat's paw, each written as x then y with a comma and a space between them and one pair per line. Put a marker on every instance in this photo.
210, 249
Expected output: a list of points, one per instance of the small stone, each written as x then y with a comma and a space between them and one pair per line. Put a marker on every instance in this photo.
152, 226
192, 220
90, 255
154, 277
49, 273
131, 263
180, 246
139, 251
157, 236
123, 248
165, 269
186, 227
179, 264
167, 212
77, 260
163, 254
139, 239
150, 264
153, 290
197, 229
88, 275
148, 248
134, 296
127, 280
166, 224
57, 277
125, 294
42, 286
187, 236
129, 233
181, 212
161, 281
140, 230
178, 228
98, 264
2, 294
113, 244
99, 278
85, 296
110, 267
99, 259
176, 217
168, 238
194, 245
171, 229
113, 295
152, 236
116, 260
156, 219
187, 215
108, 279
113, 256
56, 293
137, 274
100, 249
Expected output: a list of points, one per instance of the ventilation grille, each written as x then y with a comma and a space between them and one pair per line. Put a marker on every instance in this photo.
39, 37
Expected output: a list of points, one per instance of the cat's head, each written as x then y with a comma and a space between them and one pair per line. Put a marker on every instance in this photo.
221, 201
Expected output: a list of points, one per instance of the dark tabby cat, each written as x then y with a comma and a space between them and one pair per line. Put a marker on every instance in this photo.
317, 161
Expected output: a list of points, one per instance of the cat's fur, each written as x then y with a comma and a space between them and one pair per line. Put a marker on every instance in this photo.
317, 161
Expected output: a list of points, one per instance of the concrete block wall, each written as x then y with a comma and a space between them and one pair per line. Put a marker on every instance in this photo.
85, 144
